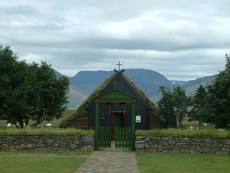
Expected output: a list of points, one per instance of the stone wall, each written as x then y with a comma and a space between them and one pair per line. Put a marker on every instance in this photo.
47, 142
183, 145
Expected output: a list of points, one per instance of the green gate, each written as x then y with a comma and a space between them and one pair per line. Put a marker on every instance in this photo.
123, 137
105, 137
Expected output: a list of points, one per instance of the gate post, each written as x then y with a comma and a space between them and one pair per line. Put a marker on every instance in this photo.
133, 125
97, 127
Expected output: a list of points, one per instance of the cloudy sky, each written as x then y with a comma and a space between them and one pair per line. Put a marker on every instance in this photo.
181, 39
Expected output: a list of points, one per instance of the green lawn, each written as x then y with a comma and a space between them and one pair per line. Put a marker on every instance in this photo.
183, 163
45, 131
212, 133
54, 163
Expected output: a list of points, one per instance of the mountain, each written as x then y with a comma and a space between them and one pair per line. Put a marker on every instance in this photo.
147, 80
75, 95
88, 81
198, 81
191, 86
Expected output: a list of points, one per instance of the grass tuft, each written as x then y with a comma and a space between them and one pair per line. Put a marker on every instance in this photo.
214, 133
46, 131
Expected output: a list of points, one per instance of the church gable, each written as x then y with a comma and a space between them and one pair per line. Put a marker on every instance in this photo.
122, 83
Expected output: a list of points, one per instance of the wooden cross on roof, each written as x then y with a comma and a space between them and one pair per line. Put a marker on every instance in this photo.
119, 66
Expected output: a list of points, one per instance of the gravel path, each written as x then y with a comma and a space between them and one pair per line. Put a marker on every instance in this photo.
110, 161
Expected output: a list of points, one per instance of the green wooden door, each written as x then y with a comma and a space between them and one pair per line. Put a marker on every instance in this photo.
118, 120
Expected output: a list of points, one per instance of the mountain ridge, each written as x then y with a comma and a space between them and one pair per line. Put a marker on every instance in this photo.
149, 81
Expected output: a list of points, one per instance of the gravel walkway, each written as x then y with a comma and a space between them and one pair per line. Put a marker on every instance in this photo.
110, 161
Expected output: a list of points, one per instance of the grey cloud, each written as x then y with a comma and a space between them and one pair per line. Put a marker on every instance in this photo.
23, 9
46, 26
180, 39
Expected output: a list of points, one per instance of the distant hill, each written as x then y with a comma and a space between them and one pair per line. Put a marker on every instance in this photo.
191, 86
147, 80
198, 81
89, 80
76, 96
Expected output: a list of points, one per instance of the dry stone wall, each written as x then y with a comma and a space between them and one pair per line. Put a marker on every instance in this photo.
47, 142
170, 144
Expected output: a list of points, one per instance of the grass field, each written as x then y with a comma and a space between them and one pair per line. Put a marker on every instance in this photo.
59, 162
45, 162
183, 163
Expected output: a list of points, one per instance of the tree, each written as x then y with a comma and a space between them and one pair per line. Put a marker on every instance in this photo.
173, 106
180, 105
14, 86
49, 94
219, 99
29, 91
199, 110
165, 107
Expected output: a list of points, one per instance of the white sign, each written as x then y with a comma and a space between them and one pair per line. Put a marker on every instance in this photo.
138, 118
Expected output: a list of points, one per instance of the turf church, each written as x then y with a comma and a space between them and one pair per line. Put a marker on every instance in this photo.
115, 101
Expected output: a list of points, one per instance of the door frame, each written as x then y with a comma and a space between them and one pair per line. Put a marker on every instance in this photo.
113, 116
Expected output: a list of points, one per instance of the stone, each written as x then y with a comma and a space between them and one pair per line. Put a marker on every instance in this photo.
139, 138
151, 150
89, 139
165, 143
22, 146
155, 145
73, 146
184, 151
56, 144
194, 151
159, 149
164, 138
29, 146
146, 146
39, 145
140, 145
171, 141
205, 150
87, 148
5, 147
171, 147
